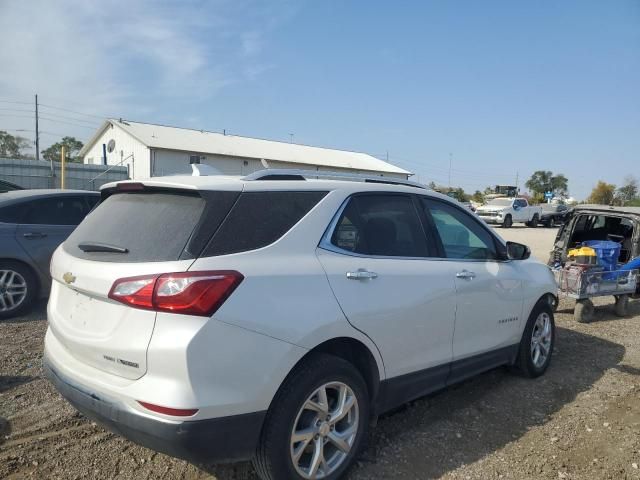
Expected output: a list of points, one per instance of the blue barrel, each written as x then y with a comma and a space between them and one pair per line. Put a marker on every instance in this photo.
607, 253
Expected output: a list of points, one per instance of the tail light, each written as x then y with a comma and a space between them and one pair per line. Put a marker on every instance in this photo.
176, 412
189, 293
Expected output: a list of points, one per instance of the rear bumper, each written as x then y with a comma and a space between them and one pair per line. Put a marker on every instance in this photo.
221, 439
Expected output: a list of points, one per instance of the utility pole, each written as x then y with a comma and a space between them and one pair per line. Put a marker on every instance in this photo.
37, 133
62, 167
450, 161
517, 186
291, 139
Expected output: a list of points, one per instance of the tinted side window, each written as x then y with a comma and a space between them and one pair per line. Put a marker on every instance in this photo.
461, 235
386, 225
56, 210
260, 218
12, 213
92, 201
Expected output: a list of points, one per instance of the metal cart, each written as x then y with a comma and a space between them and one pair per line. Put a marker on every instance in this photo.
584, 284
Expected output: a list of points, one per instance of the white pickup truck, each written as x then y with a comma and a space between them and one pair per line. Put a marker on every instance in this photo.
507, 211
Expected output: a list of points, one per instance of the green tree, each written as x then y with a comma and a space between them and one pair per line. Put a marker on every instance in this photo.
628, 192
603, 193
544, 181
477, 196
71, 146
13, 146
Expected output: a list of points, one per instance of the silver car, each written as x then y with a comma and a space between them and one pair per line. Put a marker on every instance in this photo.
32, 225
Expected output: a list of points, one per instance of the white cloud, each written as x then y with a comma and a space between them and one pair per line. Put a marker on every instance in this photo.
126, 58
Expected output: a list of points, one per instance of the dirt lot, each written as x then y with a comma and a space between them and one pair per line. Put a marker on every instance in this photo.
581, 420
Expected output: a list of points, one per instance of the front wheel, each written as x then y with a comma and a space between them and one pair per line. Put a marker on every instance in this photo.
316, 424
551, 223
538, 339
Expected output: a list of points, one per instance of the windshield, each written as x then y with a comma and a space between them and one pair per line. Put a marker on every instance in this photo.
549, 208
500, 202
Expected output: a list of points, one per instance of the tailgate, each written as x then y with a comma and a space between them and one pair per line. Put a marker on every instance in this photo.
98, 331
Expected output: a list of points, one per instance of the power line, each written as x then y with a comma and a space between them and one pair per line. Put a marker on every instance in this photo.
12, 101
66, 123
101, 117
55, 115
15, 110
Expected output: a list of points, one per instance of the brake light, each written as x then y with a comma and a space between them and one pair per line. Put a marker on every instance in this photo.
189, 293
129, 187
176, 412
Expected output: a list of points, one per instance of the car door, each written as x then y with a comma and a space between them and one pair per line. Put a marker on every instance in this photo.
376, 257
520, 213
489, 297
47, 222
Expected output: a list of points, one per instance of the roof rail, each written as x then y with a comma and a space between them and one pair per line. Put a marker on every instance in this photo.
293, 174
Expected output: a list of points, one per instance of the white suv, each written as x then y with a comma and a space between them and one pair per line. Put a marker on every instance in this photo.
274, 316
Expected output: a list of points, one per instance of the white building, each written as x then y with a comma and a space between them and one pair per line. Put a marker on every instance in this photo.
154, 150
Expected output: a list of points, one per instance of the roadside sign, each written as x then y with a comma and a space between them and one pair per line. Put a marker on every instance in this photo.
548, 195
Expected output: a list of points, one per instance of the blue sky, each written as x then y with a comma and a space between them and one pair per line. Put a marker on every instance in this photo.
505, 87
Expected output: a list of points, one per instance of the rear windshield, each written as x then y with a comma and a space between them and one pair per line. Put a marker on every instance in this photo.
151, 226
165, 226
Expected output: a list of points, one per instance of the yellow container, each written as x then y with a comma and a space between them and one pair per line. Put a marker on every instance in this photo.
583, 255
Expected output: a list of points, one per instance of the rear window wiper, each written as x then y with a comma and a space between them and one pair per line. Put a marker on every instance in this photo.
101, 247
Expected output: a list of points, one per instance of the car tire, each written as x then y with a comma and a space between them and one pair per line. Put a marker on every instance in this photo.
534, 221
584, 311
18, 289
289, 413
538, 339
507, 222
551, 223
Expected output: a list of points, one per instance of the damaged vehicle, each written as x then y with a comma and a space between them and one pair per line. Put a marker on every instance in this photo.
597, 253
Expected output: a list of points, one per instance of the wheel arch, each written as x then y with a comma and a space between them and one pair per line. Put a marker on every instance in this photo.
353, 351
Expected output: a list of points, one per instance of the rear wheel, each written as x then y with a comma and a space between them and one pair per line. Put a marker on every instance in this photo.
507, 222
534, 221
584, 311
536, 345
552, 222
18, 289
316, 424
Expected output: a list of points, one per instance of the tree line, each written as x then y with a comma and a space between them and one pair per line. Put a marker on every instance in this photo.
15, 146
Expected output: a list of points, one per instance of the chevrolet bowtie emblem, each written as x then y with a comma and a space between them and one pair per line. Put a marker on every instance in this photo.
69, 277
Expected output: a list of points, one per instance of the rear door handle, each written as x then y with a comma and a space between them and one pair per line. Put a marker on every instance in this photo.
34, 235
361, 274
466, 274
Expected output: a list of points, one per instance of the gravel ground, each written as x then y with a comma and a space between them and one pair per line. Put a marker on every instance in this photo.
579, 421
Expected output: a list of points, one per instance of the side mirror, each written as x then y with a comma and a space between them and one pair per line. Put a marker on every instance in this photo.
517, 251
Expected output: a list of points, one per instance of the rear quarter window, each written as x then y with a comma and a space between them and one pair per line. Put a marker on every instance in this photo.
259, 219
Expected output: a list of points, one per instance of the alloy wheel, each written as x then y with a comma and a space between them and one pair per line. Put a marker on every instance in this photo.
324, 431
541, 337
13, 290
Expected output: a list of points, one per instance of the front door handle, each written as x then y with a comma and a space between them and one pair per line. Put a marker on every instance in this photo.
34, 235
466, 274
361, 274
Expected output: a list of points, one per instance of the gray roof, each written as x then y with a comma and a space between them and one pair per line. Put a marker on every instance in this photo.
202, 141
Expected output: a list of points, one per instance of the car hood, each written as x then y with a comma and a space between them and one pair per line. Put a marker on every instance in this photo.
490, 209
